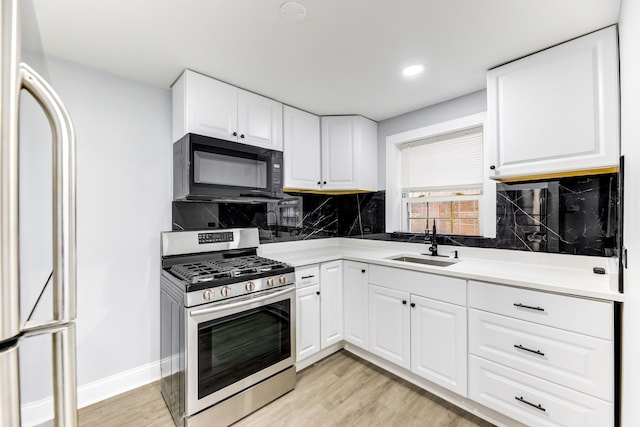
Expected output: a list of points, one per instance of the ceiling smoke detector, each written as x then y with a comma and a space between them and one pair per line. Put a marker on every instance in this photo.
293, 12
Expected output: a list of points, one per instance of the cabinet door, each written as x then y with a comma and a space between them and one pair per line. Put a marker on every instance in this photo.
330, 303
557, 110
211, 107
356, 307
439, 343
301, 150
308, 321
259, 121
389, 319
339, 135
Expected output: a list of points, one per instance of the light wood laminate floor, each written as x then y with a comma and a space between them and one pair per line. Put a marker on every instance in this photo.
341, 390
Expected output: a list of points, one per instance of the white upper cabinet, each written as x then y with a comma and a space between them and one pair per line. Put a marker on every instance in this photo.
301, 149
556, 112
259, 121
343, 156
349, 153
206, 106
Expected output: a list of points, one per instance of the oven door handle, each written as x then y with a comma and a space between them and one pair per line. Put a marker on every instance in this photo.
241, 303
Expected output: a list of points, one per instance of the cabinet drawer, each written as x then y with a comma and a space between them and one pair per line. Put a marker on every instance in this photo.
577, 361
442, 288
589, 317
307, 275
518, 395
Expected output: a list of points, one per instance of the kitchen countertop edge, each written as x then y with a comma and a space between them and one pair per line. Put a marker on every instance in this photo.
333, 249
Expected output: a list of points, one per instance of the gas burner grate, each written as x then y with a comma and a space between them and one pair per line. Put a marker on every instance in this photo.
210, 271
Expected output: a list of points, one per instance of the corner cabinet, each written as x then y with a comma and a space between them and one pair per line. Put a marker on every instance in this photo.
331, 153
556, 112
349, 153
209, 107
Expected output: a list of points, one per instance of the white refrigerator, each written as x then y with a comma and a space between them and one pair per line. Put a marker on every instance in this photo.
16, 77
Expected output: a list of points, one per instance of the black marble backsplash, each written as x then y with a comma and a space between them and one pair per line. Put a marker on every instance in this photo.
576, 215
297, 217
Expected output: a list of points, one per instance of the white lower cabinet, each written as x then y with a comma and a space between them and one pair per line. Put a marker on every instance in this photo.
534, 401
439, 343
419, 322
330, 303
389, 319
356, 309
543, 359
578, 361
318, 308
307, 321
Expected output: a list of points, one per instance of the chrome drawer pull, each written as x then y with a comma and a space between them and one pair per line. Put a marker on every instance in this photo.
528, 306
538, 406
307, 277
538, 352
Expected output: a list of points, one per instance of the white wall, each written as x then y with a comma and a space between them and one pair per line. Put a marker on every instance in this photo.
462, 106
124, 172
630, 140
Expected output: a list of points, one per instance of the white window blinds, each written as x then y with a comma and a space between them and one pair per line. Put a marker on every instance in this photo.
447, 161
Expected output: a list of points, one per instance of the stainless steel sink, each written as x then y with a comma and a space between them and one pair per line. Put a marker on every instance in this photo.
428, 261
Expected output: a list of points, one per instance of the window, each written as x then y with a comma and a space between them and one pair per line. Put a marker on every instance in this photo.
453, 212
442, 183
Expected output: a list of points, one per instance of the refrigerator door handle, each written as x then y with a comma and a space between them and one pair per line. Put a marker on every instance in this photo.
64, 247
64, 194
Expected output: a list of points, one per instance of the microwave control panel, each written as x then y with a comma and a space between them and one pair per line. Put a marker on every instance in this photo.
226, 236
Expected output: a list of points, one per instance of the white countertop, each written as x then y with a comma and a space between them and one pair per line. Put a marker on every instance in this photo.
565, 274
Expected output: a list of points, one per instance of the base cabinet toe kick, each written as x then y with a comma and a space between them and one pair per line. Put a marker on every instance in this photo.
510, 355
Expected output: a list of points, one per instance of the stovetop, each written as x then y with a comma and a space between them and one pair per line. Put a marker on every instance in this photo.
218, 272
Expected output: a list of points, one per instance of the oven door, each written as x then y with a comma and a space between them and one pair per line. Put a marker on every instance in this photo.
234, 345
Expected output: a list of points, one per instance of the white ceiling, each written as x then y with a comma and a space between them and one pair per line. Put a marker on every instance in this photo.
345, 58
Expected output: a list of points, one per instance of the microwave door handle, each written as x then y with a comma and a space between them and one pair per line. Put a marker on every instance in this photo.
241, 303
64, 245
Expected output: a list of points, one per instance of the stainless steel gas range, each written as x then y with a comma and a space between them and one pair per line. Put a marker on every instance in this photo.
228, 326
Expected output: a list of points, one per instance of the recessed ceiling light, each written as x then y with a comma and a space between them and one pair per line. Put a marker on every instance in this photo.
412, 70
293, 12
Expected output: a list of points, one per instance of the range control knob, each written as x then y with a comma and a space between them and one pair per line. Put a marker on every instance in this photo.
250, 286
226, 291
282, 279
270, 282
208, 295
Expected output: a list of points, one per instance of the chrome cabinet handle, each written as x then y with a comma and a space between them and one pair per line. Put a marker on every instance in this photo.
528, 306
538, 406
519, 347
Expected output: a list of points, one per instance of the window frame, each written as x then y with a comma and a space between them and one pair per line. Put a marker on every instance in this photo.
395, 208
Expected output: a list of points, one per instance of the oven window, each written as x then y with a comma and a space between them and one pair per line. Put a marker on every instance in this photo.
234, 347
219, 169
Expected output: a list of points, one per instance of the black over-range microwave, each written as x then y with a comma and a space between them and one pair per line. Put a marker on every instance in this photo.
213, 169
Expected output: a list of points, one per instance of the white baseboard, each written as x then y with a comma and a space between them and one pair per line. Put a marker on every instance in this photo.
41, 411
